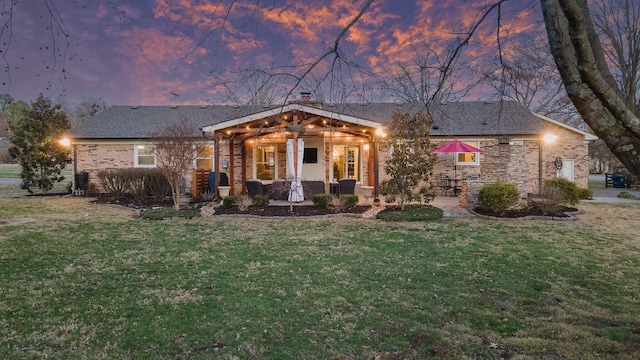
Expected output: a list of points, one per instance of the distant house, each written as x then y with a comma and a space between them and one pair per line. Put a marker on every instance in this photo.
340, 141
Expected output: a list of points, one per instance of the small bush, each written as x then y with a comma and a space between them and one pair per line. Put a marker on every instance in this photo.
550, 200
348, 200
499, 196
322, 200
260, 201
156, 184
137, 182
626, 195
585, 194
570, 191
114, 182
231, 201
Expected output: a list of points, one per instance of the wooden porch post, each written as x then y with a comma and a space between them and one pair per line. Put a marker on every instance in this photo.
371, 164
243, 172
231, 167
216, 164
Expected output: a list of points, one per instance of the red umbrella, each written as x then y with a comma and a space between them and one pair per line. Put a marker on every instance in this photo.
456, 146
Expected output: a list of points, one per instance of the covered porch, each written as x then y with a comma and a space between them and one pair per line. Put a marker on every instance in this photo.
253, 150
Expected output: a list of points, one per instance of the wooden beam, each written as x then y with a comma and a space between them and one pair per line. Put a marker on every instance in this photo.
231, 168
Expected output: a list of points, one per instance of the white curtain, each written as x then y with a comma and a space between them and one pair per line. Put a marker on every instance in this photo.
295, 172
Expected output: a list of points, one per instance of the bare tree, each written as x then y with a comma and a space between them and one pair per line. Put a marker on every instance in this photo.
86, 109
592, 88
417, 79
175, 154
618, 25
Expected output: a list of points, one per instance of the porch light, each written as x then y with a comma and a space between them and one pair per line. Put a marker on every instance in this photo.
546, 139
366, 147
380, 133
65, 141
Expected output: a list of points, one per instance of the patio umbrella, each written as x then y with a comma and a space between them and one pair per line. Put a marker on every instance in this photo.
456, 146
295, 153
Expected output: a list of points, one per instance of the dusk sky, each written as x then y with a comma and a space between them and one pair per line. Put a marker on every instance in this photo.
168, 52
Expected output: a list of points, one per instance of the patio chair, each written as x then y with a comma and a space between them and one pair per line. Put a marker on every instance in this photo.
443, 183
347, 186
254, 187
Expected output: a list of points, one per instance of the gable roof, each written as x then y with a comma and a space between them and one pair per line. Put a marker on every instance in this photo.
138, 122
502, 118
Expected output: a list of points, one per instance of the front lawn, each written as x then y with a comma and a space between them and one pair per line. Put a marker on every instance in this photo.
81, 280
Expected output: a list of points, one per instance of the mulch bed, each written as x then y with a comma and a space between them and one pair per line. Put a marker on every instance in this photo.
270, 211
531, 211
302, 210
128, 201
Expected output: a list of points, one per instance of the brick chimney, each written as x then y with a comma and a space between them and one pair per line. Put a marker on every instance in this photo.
306, 96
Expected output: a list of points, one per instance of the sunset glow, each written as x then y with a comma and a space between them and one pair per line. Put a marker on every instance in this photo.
160, 52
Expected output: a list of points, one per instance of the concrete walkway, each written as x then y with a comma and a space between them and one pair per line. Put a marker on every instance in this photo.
610, 195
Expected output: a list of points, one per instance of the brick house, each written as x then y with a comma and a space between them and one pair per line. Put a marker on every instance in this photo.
340, 141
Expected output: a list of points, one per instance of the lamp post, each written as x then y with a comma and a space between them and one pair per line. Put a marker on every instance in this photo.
546, 139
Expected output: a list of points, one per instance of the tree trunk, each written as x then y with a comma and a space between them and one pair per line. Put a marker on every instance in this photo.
581, 62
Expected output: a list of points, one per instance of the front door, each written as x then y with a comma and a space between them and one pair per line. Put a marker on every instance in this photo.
346, 161
567, 170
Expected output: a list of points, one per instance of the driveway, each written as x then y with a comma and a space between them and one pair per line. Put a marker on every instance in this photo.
10, 181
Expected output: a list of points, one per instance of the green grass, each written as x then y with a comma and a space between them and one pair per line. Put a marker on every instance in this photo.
89, 281
13, 171
412, 213
169, 213
10, 170
596, 184
626, 195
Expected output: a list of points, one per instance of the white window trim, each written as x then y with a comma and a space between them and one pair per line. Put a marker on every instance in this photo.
360, 160
469, 163
196, 158
135, 156
255, 162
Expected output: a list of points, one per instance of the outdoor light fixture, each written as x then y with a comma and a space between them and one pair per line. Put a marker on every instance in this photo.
546, 139
65, 141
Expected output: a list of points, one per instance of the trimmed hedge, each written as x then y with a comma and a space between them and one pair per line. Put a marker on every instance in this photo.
137, 182
569, 190
348, 200
231, 201
260, 201
322, 200
499, 196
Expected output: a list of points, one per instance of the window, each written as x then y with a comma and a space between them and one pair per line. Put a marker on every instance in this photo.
469, 158
204, 157
144, 156
310, 156
346, 161
265, 162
